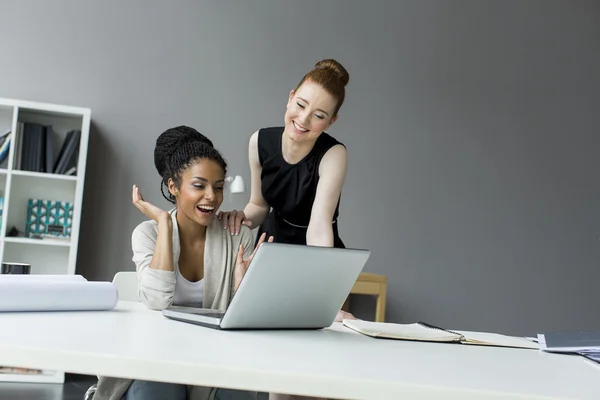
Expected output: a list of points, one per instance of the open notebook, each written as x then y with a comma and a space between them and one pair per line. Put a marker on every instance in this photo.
421, 331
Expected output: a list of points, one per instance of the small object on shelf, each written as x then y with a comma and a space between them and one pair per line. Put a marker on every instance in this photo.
15, 268
47, 218
12, 232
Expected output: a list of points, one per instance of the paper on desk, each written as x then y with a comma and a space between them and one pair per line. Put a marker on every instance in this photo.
570, 342
56, 295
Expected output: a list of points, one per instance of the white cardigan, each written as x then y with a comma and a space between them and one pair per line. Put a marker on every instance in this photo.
156, 288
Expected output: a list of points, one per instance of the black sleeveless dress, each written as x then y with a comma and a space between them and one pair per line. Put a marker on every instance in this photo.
290, 189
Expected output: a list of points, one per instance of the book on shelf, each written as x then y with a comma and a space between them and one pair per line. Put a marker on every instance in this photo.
67, 158
4, 147
424, 332
35, 150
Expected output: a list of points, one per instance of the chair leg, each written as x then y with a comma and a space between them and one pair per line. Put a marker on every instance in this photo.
346, 306
89, 394
380, 308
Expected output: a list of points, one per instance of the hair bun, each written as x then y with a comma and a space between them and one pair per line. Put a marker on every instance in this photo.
185, 135
173, 139
335, 67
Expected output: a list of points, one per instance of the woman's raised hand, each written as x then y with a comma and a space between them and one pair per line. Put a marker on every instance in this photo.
241, 265
149, 209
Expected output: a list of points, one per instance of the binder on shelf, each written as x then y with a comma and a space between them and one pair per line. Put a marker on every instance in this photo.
34, 143
35, 150
32, 155
49, 134
5, 140
68, 152
19, 146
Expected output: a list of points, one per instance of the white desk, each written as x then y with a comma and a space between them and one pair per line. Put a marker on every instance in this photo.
134, 342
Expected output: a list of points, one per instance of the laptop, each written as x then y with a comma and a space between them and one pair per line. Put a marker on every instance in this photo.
286, 286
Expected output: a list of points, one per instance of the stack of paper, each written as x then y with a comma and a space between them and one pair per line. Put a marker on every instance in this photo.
593, 355
585, 343
55, 293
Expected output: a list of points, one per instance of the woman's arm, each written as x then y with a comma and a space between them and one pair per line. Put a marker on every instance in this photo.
162, 259
257, 208
152, 246
332, 174
156, 276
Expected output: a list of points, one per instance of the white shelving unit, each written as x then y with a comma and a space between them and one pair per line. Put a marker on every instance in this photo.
46, 256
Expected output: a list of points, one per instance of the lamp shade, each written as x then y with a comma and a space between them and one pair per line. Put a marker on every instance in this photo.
236, 184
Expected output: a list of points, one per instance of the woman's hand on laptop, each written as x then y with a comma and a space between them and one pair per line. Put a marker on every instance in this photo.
241, 265
149, 210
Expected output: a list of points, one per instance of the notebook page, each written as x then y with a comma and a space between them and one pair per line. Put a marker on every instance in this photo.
399, 331
496, 339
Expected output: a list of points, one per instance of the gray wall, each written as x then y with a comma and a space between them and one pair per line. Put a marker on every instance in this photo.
472, 128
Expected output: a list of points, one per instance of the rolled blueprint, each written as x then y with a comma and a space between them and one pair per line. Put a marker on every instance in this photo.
56, 295
39, 277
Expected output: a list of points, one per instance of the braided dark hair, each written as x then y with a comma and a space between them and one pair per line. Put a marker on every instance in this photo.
178, 148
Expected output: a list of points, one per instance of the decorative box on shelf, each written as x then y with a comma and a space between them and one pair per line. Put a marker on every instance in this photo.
49, 219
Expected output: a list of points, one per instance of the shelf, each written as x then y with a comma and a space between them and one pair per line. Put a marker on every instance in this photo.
45, 377
47, 256
45, 175
43, 242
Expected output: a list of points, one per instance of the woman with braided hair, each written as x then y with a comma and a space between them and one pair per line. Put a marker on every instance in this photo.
298, 170
183, 256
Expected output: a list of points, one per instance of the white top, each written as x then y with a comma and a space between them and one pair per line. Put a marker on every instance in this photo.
187, 292
334, 363
157, 287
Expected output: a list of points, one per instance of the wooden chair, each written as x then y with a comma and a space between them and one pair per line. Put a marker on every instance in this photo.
374, 285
